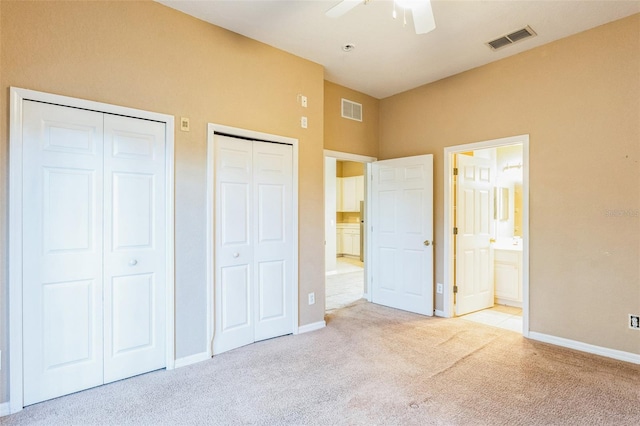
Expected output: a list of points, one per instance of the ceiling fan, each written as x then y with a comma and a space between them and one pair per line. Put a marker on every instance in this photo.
423, 20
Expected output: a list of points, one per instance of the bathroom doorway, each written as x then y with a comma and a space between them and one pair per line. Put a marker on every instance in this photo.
345, 228
486, 233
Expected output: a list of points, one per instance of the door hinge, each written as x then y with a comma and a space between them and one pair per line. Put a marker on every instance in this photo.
455, 230
455, 288
455, 171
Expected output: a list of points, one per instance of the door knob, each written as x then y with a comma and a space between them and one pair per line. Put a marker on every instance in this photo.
236, 254
133, 262
427, 242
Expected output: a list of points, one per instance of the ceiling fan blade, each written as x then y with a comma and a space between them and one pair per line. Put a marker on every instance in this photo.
423, 20
342, 8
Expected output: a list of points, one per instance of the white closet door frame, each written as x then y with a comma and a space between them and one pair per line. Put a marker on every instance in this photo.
213, 128
19, 95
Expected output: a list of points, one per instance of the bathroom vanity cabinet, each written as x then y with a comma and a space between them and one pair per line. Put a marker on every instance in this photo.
508, 275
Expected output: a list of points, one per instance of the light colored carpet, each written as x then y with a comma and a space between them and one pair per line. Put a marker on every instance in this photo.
370, 365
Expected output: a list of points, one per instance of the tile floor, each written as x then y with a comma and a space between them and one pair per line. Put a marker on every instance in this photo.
346, 286
506, 317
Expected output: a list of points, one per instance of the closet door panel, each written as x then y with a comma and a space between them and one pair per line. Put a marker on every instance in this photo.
234, 276
134, 251
62, 250
273, 245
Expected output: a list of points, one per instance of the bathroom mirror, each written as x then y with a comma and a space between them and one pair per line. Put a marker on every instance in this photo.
503, 203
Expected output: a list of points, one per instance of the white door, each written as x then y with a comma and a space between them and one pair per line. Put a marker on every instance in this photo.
254, 242
474, 274
62, 250
402, 220
134, 247
71, 293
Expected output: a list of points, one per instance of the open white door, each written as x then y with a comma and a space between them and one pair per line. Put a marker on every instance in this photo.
402, 222
474, 277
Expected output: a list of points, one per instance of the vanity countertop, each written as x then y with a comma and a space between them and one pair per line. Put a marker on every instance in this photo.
508, 244
348, 225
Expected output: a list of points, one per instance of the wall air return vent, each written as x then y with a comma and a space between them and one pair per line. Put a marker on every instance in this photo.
351, 110
515, 36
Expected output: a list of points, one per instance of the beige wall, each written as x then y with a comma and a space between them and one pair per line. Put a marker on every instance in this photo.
147, 56
345, 135
579, 100
351, 168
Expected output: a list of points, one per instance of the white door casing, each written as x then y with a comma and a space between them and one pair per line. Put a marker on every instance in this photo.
57, 215
474, 213
402, 248
254, 234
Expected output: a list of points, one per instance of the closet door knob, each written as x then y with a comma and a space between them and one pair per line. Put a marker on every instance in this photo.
427, 243
133, 262
236, 254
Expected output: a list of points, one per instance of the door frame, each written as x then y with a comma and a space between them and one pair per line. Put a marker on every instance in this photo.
449, 152
212, 128
367, 161
17, 97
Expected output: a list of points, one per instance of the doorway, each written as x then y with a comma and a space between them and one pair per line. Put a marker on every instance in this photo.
346, 188
486, 233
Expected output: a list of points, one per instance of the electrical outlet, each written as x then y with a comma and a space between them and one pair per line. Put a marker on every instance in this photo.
312, 298
303, 122
439, 288
634, 322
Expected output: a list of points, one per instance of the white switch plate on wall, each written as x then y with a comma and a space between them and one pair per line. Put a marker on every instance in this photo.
439, 288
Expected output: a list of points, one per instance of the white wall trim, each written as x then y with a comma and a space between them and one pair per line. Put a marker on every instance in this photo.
585, 347
312, 327
345, 156
18, 95
192, 359
210, 253
5, 409
440, 313
448, 220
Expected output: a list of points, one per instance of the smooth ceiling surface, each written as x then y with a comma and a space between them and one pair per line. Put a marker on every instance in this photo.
389, 57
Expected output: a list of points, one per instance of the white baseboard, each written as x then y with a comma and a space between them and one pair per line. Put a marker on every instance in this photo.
440, 313
586, 347
5, 409
311, 327
192, 359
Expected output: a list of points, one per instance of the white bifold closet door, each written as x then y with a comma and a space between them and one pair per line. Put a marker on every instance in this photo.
254, 248
93, 249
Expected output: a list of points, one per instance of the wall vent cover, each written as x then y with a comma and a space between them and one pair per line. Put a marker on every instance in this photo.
351, 110
509, 39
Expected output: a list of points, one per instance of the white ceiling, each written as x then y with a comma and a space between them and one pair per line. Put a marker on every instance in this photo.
389, 57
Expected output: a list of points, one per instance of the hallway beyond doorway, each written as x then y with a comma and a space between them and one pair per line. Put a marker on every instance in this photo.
347, 285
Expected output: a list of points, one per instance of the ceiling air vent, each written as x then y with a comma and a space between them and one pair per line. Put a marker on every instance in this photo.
515, 36
351, 110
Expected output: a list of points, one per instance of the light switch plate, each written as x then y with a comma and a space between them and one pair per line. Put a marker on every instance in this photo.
184, 124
